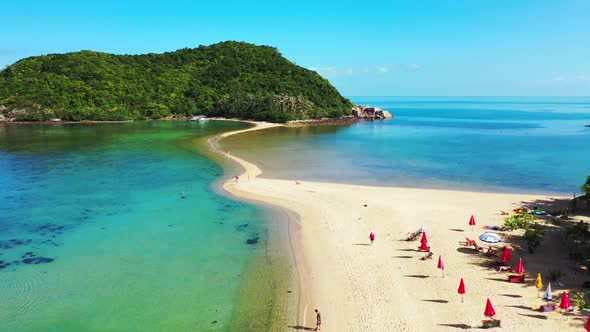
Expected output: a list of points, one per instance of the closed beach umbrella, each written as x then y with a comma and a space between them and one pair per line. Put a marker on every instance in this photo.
472, 222
547, 296
519, 267
461, 289
490, 237
587, 326
565, 302
506, 255
538, 283
424, 242
490, 312
441, 265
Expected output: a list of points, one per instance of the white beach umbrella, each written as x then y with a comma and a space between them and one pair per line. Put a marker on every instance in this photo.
490, 237
547, 296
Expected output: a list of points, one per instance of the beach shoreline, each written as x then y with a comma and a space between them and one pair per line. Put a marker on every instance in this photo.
362, 287
249, 172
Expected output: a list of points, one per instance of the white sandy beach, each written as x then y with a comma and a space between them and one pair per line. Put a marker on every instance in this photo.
385, 286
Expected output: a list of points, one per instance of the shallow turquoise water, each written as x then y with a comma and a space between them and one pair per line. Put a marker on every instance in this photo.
537, 145
129, 254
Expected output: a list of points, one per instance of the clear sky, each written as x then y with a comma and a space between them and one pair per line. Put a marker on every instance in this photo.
370, 48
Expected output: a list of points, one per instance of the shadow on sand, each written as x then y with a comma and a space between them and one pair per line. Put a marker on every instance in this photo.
468, 251
436, 301
535, 316
299, 327
420, 276
457, 326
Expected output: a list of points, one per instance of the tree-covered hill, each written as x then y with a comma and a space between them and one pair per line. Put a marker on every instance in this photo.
231, 79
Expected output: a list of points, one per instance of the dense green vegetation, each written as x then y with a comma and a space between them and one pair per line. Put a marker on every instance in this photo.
231, 79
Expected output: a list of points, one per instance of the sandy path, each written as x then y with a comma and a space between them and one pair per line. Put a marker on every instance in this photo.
385, 287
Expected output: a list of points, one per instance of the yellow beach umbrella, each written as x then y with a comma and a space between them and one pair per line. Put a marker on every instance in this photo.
539, 283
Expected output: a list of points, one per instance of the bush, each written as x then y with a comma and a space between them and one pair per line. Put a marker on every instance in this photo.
579, 300
533, 237
519, 221
554, 275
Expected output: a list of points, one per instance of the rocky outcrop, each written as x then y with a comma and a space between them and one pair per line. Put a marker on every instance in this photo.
368, 112
341, 121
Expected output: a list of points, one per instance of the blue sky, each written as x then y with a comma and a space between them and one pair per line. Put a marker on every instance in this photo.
413, 47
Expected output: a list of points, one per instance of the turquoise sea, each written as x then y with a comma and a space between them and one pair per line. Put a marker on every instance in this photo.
95, 234
520, 144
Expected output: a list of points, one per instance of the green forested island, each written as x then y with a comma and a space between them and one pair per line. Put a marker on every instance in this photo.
230, 79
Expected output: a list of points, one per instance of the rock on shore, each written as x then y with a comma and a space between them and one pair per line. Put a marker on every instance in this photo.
368, 112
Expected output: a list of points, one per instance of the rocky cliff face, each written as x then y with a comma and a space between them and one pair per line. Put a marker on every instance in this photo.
368, 112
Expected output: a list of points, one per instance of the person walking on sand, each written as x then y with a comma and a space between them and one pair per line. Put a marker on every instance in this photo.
372, 237
318, 322
237, 177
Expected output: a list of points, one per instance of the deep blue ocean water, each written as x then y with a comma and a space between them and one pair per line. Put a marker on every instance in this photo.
520, 144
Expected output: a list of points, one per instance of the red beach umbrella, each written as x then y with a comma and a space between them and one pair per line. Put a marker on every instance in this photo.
506, 255
519, 267
441, 265
490, 312
461, 290
587, 326
472, 222
424, 242
565, 302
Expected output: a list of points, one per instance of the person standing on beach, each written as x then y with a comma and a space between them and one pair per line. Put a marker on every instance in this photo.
237, 178
318, 322
372, 237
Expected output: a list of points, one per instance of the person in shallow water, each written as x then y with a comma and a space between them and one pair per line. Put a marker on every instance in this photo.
183, 195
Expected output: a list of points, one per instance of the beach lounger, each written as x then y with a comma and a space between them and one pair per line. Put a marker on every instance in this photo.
413, 236
468, 242
486, 324
492, 252
427, 256
516, 278
550, 306
504, 268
